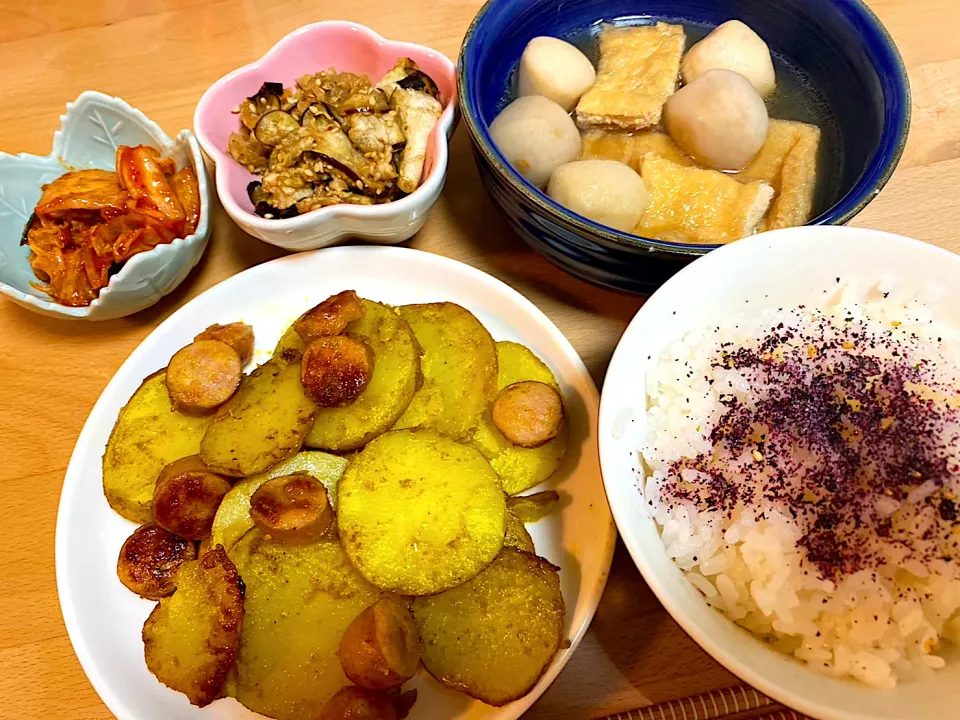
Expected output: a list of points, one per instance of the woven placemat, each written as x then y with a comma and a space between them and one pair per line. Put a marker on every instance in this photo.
740, 702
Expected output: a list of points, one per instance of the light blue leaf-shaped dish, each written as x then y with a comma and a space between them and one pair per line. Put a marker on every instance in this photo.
92, 128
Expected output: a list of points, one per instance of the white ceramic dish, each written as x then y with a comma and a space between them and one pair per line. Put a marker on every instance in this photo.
92, 128
781, 268
104, 619
349, 47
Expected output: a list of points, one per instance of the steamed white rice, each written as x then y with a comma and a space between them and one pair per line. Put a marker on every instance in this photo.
878, 625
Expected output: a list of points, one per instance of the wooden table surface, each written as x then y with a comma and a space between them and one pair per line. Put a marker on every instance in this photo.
160, 55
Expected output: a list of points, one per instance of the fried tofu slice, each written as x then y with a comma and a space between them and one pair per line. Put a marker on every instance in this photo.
788, 163
630, 148
693, 205
638, 71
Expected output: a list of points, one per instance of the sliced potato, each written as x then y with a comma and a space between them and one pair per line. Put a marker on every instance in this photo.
264, 423
150, 559
396, 374
419, 513
233, 518
300, 599
494, 636
459, 367
148, 435
534, 508
520, 468
191, 639
516, 535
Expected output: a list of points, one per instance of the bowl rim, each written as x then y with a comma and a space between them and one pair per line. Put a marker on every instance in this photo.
654, 579
409, 203
893, 139
51, 307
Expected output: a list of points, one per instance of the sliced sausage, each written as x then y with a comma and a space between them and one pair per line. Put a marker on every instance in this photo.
528, 413
330, 317
203, 375
356, 703
381, 648
293, 508
187, 497
237, 335
149, 560
335, 370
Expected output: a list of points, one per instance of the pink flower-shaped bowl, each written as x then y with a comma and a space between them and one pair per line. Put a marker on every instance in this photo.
348, 47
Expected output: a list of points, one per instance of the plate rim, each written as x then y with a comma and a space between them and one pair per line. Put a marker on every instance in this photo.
72, 477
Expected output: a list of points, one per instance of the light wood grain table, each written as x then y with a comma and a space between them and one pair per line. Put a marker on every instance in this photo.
160, 55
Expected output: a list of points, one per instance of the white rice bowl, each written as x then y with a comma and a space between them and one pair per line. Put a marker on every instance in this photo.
870, 645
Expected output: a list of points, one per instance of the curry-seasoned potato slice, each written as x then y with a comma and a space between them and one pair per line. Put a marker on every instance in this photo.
459, 367
263, 423
299, 601
233, 516
419, 513
148, 435
396, 375
520, 468
494, 636
516, 535
191, 639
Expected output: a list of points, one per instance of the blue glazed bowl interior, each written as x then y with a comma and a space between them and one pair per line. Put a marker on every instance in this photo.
836, 67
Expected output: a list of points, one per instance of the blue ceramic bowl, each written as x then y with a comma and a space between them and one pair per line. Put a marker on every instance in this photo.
836, 49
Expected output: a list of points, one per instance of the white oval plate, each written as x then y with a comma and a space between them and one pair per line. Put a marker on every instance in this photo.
104, 619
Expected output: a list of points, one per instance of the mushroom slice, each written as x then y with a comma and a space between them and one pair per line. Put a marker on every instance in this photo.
274, 126
417, 112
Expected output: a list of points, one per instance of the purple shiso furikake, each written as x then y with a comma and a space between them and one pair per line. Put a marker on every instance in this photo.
848, 429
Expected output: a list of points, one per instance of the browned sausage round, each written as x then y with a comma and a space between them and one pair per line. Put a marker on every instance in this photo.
203, 375
356, 703
330, 317
187, 497
381, 649
528, 413
237, 335
335, 370
293, 508
150, 558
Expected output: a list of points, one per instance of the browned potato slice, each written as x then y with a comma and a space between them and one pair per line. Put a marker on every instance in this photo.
187, 496
516, 535
330, 317
418, 513
191, 639
300, 600
203, 375
534, 508
149, 434
335, 370
528, 413
357, 703
237, 335
149, 561
494, 636
459, 369
263, 423
292, 508
380, 650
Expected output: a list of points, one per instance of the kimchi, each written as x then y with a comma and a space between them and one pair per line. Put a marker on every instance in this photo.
89, 222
